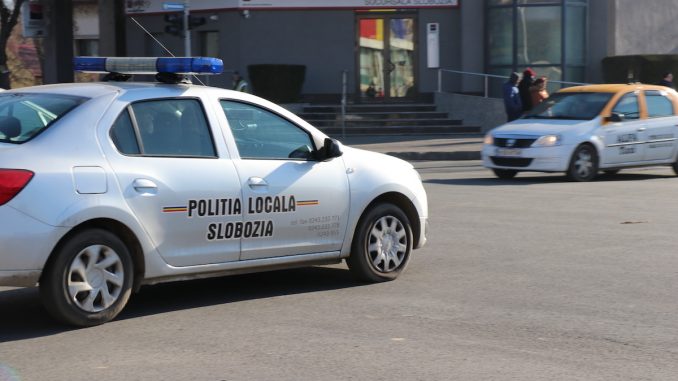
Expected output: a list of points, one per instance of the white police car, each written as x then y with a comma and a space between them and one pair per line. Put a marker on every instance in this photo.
105, 187
584, 129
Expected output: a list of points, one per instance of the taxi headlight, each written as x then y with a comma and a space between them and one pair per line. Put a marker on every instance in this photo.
547, 141
489, 139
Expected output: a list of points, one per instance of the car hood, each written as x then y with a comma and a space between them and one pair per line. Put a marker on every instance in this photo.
375, 159
544, 127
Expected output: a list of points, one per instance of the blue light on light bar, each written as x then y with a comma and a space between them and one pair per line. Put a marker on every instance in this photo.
149, 65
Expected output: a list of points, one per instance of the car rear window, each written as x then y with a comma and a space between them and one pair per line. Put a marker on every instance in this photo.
23, 116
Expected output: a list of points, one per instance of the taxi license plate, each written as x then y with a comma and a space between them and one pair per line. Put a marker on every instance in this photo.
513, 152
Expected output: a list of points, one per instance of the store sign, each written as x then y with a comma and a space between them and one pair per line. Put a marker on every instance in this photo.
156, 6
33, 19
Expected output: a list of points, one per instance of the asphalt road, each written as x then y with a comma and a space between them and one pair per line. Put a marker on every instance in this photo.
534, 278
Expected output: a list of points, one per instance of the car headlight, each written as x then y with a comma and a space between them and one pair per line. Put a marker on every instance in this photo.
547, 141
489, 139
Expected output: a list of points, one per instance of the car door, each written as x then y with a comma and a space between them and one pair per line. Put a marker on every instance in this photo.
624, 139
662, 126
292, 204
171, 177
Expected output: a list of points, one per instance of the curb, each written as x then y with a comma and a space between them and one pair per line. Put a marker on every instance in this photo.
436, 156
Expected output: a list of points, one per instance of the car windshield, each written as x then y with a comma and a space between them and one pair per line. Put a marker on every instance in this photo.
23, 116
575, 106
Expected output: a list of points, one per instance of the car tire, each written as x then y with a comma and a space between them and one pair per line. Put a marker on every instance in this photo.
89, 279
382, 244
504, 173
584, 164
675, 167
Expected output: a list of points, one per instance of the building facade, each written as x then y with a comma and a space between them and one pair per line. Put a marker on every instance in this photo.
392, 50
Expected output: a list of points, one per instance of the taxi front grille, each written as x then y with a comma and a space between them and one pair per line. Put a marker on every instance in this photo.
511, 161
513, 143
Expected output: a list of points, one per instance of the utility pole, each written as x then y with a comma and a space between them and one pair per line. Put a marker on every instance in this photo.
58, 66
112, 29
187, 30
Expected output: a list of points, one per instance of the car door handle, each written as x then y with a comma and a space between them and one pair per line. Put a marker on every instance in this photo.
257, 183
641, 129
145, 186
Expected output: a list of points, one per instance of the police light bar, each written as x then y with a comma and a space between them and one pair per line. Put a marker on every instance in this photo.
149, 65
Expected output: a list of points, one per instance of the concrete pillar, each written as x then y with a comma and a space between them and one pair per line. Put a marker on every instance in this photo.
112, 28
58, 66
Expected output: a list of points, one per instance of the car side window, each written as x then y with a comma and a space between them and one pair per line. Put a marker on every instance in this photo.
123, 135
262, 134
164, 127
628, 107
658, 105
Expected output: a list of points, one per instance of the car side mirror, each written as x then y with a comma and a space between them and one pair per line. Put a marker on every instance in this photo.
615, 117
329, 150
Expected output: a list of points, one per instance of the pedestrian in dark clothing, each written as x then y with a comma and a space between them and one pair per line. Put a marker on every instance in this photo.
524, 88
667, 80
512, 103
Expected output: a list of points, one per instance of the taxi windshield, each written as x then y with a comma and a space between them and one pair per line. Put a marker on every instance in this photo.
574, 106
23, 116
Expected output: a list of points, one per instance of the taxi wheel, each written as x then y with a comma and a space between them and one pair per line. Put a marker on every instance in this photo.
504, 173
584, 164
675, 167
89, 280
382, 244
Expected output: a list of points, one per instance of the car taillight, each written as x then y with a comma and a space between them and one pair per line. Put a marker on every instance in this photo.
12, 181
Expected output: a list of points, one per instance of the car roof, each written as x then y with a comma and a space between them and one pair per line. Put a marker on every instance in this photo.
612, 88
96, 89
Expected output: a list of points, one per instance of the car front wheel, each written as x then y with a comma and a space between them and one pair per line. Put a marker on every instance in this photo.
382, 244
584, 164
89, 280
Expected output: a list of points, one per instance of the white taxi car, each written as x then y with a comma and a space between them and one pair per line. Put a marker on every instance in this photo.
581, 130
105, 187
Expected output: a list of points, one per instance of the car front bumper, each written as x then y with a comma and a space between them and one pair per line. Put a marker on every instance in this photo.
539, 159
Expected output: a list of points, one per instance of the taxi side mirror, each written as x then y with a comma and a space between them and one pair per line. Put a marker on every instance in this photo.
329, 150
615, 117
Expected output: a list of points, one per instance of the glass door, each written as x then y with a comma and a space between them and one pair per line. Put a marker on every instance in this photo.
386, 57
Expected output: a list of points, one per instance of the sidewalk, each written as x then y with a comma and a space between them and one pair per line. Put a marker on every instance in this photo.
421, 147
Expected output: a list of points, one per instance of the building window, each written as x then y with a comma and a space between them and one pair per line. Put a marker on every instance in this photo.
86, 47
547, 35
209, 44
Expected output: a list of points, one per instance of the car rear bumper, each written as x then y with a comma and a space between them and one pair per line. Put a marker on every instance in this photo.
25, 245
541, 159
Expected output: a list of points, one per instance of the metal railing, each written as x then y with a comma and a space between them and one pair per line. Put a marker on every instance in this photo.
486, 80
344, 95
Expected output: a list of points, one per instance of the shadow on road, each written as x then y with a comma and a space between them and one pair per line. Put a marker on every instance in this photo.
546, 179
23, 316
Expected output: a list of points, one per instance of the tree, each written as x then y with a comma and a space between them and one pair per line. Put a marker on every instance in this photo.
9, 16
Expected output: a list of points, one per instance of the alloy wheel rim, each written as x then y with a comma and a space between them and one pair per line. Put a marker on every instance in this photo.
95, 278
584, 163
387, 244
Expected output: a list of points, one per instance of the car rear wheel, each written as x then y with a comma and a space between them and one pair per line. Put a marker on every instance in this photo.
504, 173
584, 164
382, 244
675, 167
89, 280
